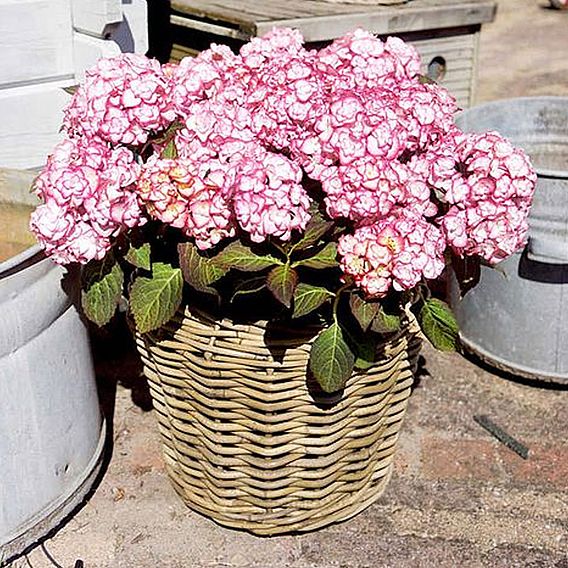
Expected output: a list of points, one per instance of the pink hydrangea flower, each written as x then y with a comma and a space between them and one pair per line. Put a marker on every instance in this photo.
360, 60
369, 189
191, 198
205, 77
489, 185
65, 237
285, 93
87, 190
395, 252
268, 198
122, 101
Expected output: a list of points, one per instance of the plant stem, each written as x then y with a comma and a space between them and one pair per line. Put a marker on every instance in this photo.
282, 250
336, 300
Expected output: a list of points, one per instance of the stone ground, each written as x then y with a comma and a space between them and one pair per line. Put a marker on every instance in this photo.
458, 498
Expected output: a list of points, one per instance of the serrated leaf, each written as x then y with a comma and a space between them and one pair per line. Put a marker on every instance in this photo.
102, 282
325, 258
199, 271
316, 228
308, 298
331, 359
139, 256
236, 255
385, 323
282, 282
363, 310
439, 325
155, 299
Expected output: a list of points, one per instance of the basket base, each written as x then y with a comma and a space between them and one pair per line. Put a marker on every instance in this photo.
347, 508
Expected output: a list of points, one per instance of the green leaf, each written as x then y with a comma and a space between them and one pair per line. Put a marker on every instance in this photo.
139, 256
325, 258
102, 282
308, 298
366, 349
199, 271
72, 89
385, 322
282, 281
154, 300
331, 359
363, 310
170, 150
425, 80
241, 257
439, 325
316, 228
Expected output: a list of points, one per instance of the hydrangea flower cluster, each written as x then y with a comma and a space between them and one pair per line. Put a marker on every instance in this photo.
122, 100
395, 252
231, 146
180, 194
488, 185
88, 189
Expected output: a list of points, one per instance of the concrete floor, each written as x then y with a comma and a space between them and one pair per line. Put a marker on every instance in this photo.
458, 497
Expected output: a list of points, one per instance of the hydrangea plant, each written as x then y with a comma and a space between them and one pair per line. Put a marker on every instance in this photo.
334, 179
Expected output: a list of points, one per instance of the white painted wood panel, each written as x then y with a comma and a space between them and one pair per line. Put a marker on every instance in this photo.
35, 41
93, 16
88, 49
31, 118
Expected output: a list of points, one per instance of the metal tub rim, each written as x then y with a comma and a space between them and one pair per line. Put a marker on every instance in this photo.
21, 261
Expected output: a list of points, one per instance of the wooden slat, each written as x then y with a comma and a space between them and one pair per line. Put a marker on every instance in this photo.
320, 21
452, 64
209, 28
452, 76
463, 98
327, 27
473, 79
181, 51
250, 11
465, 42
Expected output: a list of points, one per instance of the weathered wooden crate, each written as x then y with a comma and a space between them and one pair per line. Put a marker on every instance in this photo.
445, 32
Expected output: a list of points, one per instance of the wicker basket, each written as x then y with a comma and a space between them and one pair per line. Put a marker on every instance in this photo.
245, 441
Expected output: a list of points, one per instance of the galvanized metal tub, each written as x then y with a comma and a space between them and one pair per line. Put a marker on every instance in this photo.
51, 430
516, 319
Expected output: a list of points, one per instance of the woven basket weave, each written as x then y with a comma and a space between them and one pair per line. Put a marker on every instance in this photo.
244, 441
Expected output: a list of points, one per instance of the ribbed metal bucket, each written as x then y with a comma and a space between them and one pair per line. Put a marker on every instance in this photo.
51, 430
516, 319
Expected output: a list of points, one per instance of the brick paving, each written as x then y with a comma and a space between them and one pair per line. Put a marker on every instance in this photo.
458, 497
